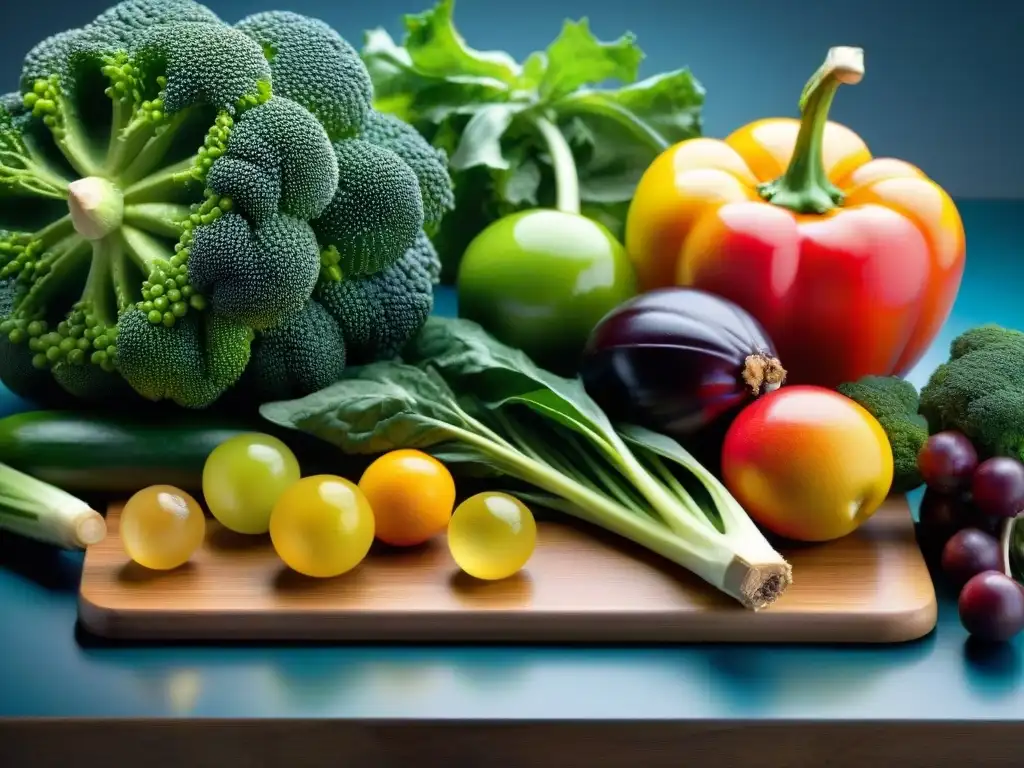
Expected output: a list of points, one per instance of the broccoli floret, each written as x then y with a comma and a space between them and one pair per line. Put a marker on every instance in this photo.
255, 275
894, 403
277, 158
379, 314
93, 384
979, 391
303, 353
192, 363
315, 67
428, 163
376, 212
129, 17
172, 189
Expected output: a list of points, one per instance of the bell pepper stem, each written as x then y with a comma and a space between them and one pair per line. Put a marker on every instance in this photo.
805, 186
567, 183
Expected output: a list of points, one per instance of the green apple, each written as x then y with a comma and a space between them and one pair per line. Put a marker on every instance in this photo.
541, 279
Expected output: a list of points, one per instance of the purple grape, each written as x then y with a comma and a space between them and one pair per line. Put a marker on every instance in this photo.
998, 486
991, 606
968, 553
946, 461
940, 516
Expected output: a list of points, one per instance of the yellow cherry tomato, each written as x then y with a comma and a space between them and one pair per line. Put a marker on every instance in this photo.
412, 495
322, 526
492, 535
162, 527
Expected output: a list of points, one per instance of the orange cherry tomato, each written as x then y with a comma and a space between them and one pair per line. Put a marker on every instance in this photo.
412, 495
807, 463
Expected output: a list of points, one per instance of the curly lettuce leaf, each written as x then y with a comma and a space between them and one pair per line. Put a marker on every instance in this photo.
479, 107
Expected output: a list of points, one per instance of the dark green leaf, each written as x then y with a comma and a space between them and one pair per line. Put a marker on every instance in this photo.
611, 215
577, 58
470, 359
657, 443
437, 49
375, 408
481, 140
518, 187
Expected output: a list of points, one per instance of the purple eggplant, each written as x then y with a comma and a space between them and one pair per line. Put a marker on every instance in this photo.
678, 360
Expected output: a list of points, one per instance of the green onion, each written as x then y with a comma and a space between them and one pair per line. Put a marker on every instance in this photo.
40, 511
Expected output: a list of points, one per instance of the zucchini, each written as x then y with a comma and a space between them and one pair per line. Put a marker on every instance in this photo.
81, 452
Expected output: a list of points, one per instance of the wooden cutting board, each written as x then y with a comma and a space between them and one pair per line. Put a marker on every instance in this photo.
581, 585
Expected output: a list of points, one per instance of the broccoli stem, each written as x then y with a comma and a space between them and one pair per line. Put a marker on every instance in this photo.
21, 170
126, 291
69, 135
120, 116
55, 231
567, 183
146, 252
164, 185
126, 147
148, 155
97, 291
162, 219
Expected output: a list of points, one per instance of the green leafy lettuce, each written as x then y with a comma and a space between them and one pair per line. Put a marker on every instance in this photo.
478, 106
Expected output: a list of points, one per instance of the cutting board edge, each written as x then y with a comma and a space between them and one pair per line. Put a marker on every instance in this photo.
497, 626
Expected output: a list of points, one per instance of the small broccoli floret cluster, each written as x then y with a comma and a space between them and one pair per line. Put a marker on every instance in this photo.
314, 67
379, 314
979, 391
347, 322
428, 163
191, 207
894, 403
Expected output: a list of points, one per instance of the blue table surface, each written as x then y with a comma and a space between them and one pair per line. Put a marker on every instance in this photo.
46, 671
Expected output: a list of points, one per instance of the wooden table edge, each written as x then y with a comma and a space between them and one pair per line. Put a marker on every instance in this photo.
538, 744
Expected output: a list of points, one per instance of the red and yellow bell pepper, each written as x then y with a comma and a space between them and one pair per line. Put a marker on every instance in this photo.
850, 262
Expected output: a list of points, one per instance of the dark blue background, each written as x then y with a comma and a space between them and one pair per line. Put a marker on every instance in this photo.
942, 88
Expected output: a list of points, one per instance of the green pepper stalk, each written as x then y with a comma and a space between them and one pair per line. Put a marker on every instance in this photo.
805, 187
567, 183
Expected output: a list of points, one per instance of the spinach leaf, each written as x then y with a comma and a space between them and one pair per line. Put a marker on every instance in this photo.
375, 408
470, 359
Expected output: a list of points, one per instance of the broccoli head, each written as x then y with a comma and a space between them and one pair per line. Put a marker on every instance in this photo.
175, 191
894, 403
979, 391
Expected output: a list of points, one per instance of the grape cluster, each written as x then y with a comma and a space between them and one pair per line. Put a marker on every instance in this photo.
967, 505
